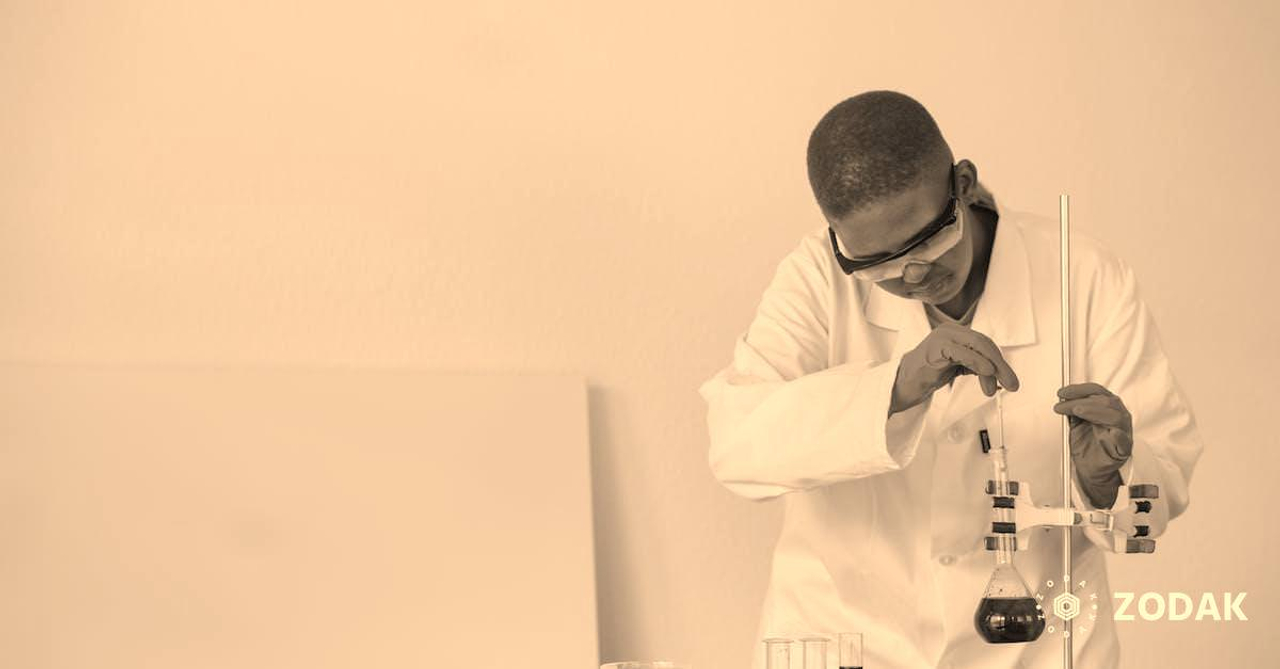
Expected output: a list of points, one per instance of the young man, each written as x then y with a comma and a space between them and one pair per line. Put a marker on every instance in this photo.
858, 391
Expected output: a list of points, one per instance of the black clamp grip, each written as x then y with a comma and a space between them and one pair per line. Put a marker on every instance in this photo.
1144, 491
1140, 546
1012, 488
993, 543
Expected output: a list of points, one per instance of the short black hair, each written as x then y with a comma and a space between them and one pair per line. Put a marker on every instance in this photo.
872, 145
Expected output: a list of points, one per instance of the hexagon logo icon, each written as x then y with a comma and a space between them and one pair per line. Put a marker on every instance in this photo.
1066, 606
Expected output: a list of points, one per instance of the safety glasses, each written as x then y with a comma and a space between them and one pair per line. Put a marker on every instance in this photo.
928, 245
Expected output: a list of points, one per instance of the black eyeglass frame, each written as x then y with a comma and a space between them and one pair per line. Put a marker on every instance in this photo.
949, 215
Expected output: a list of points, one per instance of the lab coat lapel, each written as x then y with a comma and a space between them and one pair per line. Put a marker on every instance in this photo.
886, 310
1005, 314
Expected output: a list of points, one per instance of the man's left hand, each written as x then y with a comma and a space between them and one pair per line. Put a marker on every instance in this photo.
1101, 438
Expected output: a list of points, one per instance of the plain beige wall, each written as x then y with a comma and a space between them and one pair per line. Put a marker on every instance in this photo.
289, 517
605, 189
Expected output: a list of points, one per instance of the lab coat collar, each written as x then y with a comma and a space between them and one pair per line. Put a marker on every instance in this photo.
1005, 310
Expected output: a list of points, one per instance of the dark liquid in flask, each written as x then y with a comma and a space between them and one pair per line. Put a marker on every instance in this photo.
1009, 619
850, 666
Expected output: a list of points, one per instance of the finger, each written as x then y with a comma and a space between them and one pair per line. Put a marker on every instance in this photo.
1098, 413
1115, 445
986, 348
1100, 400
1072, 407
1116, 404
968, 361
947, 353
1078, 390
1110, 442
1114, 448
935, 356
1101, 416
963, 355
989, 387
1124, 448
1110, 401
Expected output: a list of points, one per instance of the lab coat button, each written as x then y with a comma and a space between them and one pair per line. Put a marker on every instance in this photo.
947, 560
955, 433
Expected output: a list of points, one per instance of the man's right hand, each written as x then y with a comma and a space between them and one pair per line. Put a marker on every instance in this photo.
949, 350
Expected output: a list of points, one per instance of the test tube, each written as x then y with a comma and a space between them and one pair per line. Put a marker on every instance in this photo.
815, 652
777, 653
850, 650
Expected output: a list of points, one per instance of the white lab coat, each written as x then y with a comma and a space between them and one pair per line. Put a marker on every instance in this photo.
884, 519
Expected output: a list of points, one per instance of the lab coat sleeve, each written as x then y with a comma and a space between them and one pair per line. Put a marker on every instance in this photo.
1126, 357
780, 419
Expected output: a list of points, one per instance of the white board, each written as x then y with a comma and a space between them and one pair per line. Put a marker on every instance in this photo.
184, 518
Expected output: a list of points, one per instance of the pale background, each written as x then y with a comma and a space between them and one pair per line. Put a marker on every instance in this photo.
604, 190
291, 517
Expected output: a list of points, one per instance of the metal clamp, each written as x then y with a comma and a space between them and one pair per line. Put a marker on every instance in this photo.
1124, 525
